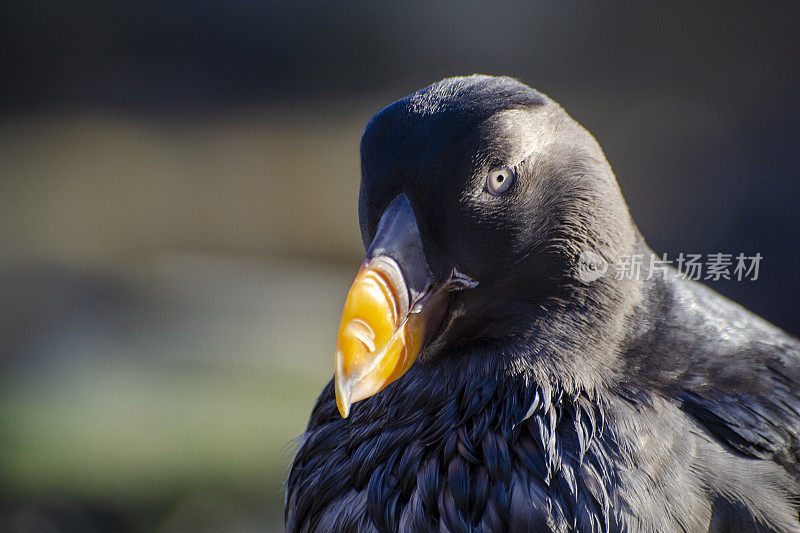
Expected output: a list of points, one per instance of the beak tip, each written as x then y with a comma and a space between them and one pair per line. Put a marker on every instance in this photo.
344, 407
342, 398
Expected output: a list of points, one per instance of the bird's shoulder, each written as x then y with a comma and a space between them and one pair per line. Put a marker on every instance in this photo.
733, 372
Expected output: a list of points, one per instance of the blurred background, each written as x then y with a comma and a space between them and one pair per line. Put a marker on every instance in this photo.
178, 225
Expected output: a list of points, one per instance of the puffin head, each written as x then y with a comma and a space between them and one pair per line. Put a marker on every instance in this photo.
480, 202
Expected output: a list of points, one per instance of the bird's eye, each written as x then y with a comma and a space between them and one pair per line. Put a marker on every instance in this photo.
500, 181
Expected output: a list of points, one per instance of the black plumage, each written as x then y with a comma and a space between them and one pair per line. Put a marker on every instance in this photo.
547, 402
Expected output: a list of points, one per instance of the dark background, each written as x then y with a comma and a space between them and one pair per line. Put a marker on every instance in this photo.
178, 222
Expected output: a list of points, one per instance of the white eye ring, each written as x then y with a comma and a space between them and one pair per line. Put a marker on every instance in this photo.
499, 181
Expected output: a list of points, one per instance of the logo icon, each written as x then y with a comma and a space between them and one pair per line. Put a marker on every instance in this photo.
591, 266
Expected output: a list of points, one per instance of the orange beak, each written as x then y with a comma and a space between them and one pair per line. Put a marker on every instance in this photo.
391, 311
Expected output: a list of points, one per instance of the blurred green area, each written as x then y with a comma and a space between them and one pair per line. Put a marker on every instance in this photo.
167, 321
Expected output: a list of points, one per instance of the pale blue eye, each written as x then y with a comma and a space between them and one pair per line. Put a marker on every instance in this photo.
499, 181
